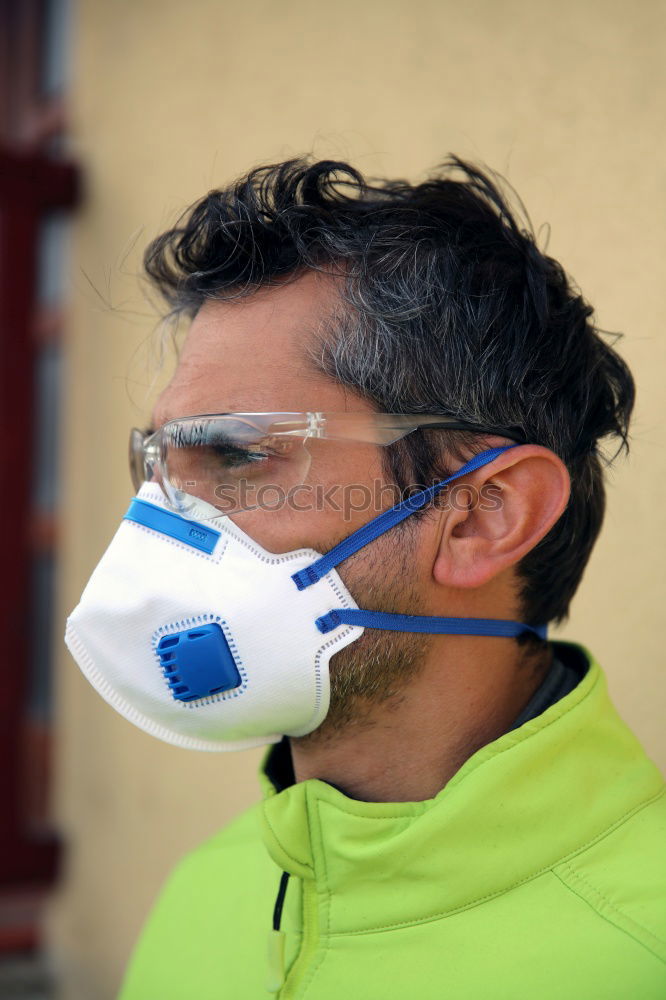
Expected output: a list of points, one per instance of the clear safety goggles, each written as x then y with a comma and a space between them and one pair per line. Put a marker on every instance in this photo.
216, 464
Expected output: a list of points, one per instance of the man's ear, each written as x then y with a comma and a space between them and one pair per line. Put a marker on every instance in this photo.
494, 516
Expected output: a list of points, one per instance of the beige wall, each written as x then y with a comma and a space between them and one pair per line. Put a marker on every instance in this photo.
172, 98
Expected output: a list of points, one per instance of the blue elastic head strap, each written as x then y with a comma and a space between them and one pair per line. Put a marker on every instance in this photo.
309, 575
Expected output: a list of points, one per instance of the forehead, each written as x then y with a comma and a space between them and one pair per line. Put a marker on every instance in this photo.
252, 354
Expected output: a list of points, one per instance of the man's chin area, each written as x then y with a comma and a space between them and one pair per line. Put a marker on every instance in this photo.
367, 683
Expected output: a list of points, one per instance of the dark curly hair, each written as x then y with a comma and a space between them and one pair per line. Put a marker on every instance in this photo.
448, 306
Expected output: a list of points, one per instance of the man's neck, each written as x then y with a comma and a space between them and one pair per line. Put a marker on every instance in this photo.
407, 749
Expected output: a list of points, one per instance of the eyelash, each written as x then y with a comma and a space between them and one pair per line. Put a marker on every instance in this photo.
245, 457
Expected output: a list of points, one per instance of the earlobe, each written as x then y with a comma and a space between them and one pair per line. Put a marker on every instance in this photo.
511, 505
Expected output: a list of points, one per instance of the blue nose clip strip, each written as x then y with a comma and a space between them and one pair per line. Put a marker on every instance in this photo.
309, 575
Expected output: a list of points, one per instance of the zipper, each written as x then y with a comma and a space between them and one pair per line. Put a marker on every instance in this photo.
277, 983
309, 942
276, 941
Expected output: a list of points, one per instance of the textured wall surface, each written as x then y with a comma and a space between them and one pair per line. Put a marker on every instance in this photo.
171, 99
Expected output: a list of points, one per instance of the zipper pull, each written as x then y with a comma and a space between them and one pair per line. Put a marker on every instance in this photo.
275, 979
276, 937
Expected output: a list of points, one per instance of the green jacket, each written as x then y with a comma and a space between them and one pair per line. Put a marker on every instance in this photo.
537, 872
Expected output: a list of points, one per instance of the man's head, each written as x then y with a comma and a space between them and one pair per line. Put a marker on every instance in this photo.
311, 289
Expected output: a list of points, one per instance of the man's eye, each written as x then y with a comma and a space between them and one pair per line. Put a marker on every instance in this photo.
233, 456
273, 447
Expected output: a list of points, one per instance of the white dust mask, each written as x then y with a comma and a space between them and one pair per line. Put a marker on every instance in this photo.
199, 636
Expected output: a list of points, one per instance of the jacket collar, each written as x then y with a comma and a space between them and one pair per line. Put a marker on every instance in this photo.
518, 806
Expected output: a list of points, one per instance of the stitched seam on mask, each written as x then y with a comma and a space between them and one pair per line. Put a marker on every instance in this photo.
320, 652
274, 560
514, 885
213, 557
318, 673
199, 620
155, 496
338, 593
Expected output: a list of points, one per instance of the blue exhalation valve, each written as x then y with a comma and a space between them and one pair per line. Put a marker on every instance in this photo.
198, 663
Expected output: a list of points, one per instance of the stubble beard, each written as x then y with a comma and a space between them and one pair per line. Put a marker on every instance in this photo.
376, 668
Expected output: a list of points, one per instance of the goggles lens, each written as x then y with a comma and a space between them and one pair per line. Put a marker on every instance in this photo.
219, 465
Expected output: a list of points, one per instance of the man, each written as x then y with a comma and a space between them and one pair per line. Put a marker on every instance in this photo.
371, 484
